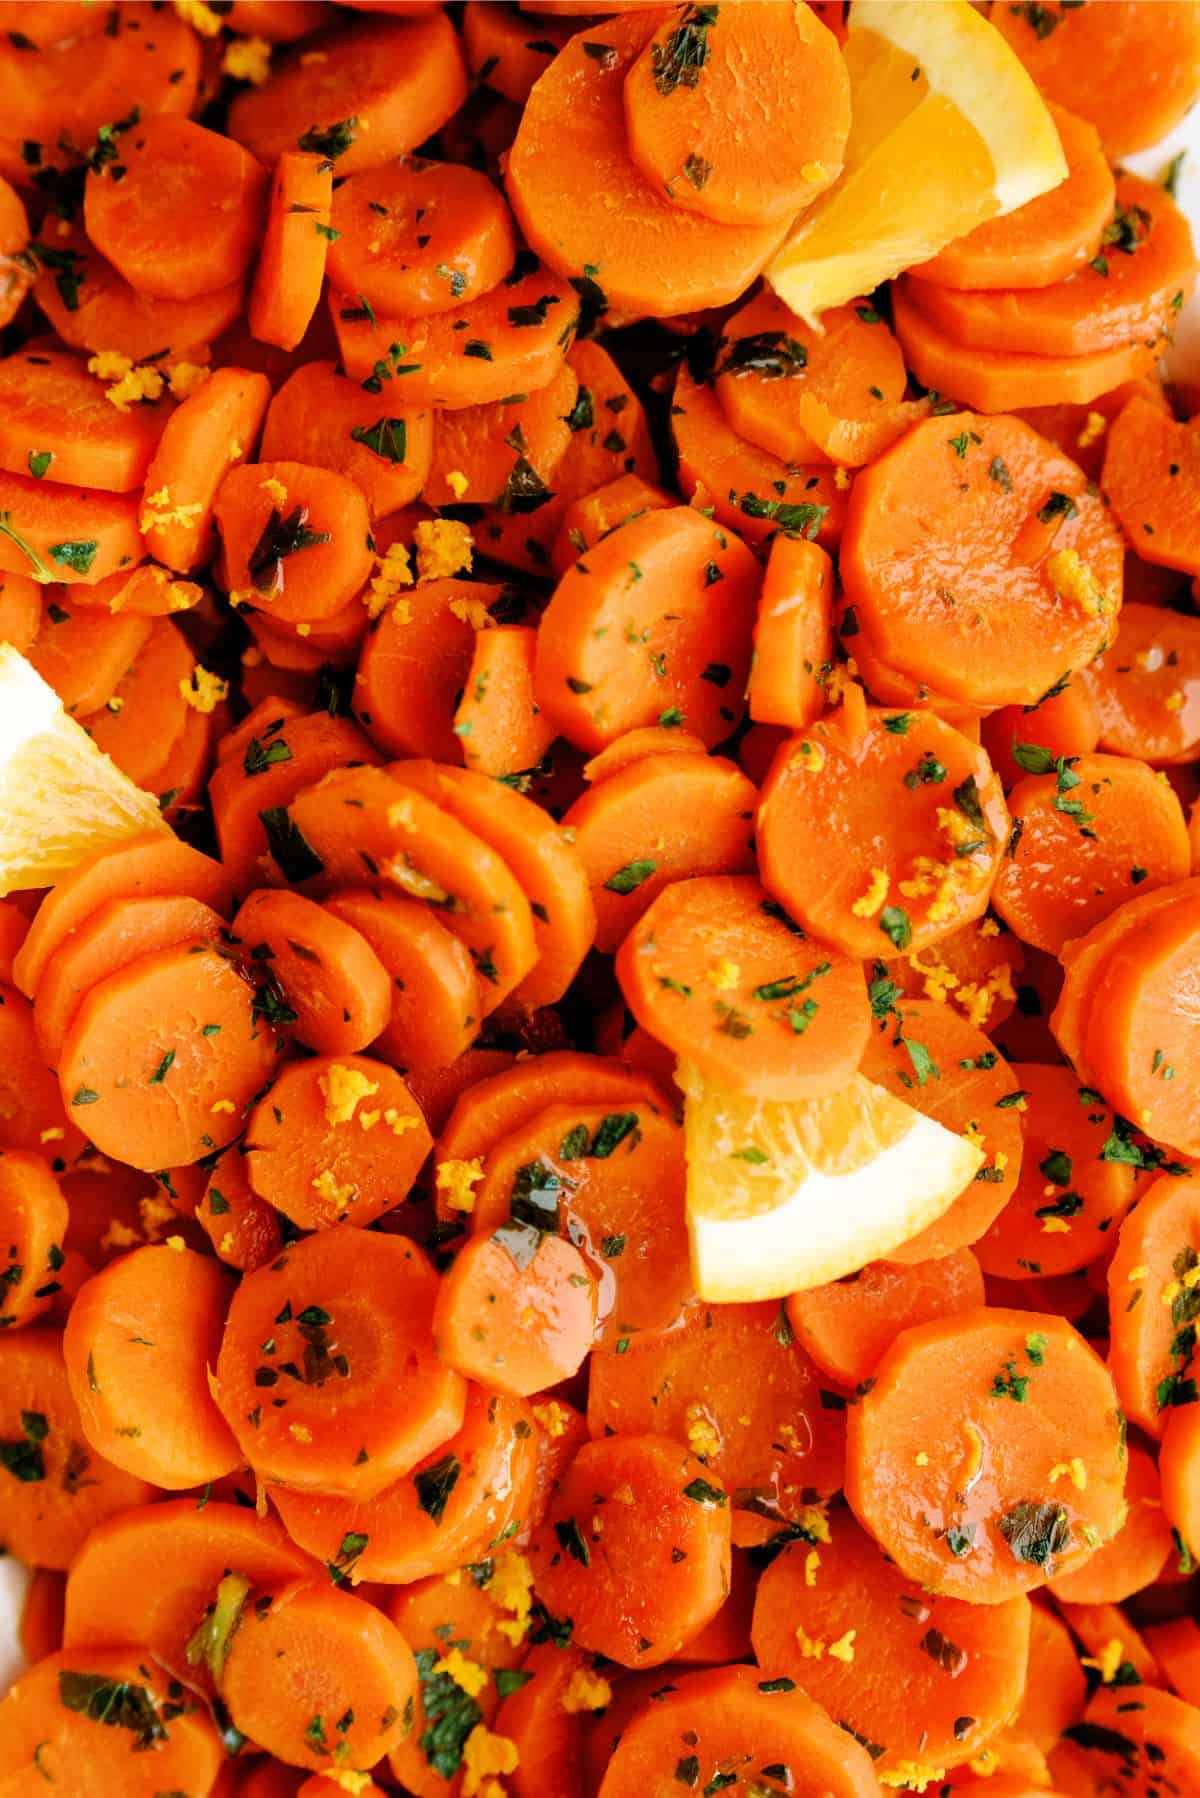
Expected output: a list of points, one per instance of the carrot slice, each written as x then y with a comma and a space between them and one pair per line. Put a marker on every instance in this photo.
311, 1155
1065, 723
750, 490
793, 635
1136, 1555
1151, 469
1150, 1745
712, 969
415, 662
504, 454
1045, 240
776, 70
594, 514
1097, 1626
16, 268
141, 1066
960, 495
663, 260
1056, 1686
356, 1392
975, 970
213, 428
634, 745
1176, 1647
498, 721
357, 95
33, 1228
64, 533
1129, 112
500, 50
433, 1004
327, 974
696, 813
243, 1229
654, 624
453, 1509
32, 1115
92, 308
927, 1680
544, 861
1008, 380
47, 1511
57, 424
1152, 1342
847, 1327
84, 655
42, 1614
986, 1513
516, 1317
732, 1384
145, 717
545, 1718
286, 290
20, 610
438, 1089
510, 1098
295, 539
1147, 691
321, 418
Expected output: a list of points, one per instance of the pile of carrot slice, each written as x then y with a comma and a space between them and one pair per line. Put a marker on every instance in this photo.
554, 658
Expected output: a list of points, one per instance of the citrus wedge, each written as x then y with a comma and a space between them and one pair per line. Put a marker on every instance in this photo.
786, 1195
61, 798
948, 130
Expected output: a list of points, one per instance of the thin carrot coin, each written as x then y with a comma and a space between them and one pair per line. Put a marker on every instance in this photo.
32, 1114
33, 1228
594, 514
414, 664
286, 289
847, 1327
61, 533
498, 720
516, 1317
437, 1090
325, 972
506, 454
1066, 723
1151, 1285
320, 417
1150, 475
146, 714
634, 745
1175, 1646
84, 655
56, 422
506, 1099
433, 1007
500, 50
106, 314
1056, 1685
213, 428
1136, 1555
243, 1229
793, 636
295, 539
1147, 691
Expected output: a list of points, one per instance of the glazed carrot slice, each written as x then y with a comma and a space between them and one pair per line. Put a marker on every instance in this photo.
415, 662
1151, 1285
63, 533
922, 816
67, 1488
147, 591
1008, 380
610, 1181
118, 932
724, 999
653, 624
988, 1511
512, 339
185, 213
631, 1598
1002, 498
339, 1646
311, 1155
498, 720
847, 1327
138, 1343
1097, 1626
1045, 240
453, 1509
1129, 113
414, 236
93, 308
215, 426
433, 1006
438, 1089
145, 717
634, 745
84, 655
355, 1392
42, 1615
547, 865
1136, 1555
243, 1229
1175, 1646
363, 818
504, 454
358, 95
732, 1384
295, 539
33, 1228
664, 259
327, 421
517, 1317
141, 1066
948, 1674
975, 969
52, 23
325, 972
1147, 692
20, 610
1055, 1686
510, 1098
507, 51
793, 635
591, 516
1151, 469
749, 489
52, 1727
1065, 723
694, 813
56, 423
286, 289
32, 1114
279, 21
774, 69
546, 1717
1148, 1746
1178, 1462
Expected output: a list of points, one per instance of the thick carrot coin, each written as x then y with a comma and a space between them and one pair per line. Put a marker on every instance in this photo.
506, 454
777, 70
33, 1228
335, 1141
295, 539
351, 1393
1152, 1285
1055, 1686
964, 1501
1151, 470
500, 50
433, 1007
635, 1594
32, 1114
1136, 1555
56, 422
58, 1488
848, 1326
974, 969
733, 1385
925, 1679
663, 259
414, 665
1065, 723
652, 625
498, 721
793, 635
1142, 1747
545, 1719
215, 427
508, 1098
326, 972
243, 1229
84, 655
717, 970
327, 421
286, 289
163, 1059
68, 534
455, 1507
694, 814
106, 314
146, 714
516, 1316
594, 514
1147, 691
357, 95
1053, 586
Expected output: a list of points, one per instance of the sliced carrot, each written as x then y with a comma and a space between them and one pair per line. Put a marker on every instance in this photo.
545, 1720
67, 534
1055, 1686
1150, 1742
453, 1509
548, 866
84, 655
355, 1392
279, 21
20, 610
1066, 723
1098, 1626
743, 972
326, 973
504, 454
663, 259
635, 745
433, 1004
1178, 1463
1136, 1555
215, 427
793, 635
415, 662
594, 514
357, 95
138, 1344
510, 1098
243, 1229
33, 1228
32, 1115
516, 1316
1150, 1305
42, 1614
498, 720
975, 970
1151, 470
1176, 1647
512, 339
1009, 380
986, 1513
1147, 691
146, 714
178, 781
327, 421
927, 1680
56, 423
147, 591
507, 51
295, 539
92, 308
1043, 611
311, 1155
438, 1089
848, 1327
286, 290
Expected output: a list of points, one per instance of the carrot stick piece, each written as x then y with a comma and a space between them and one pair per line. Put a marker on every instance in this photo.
215, 427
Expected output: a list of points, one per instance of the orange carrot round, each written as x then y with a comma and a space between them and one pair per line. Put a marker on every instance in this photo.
1136, 1555
433, 1007
213, 428
498, 721
848, 1326
1150, 1301
58, 425
32, 1113
320, 417
106, 313
295, 539
793, 636
33, 1228
325, 972
65, 533
1147, 692
517, 1317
